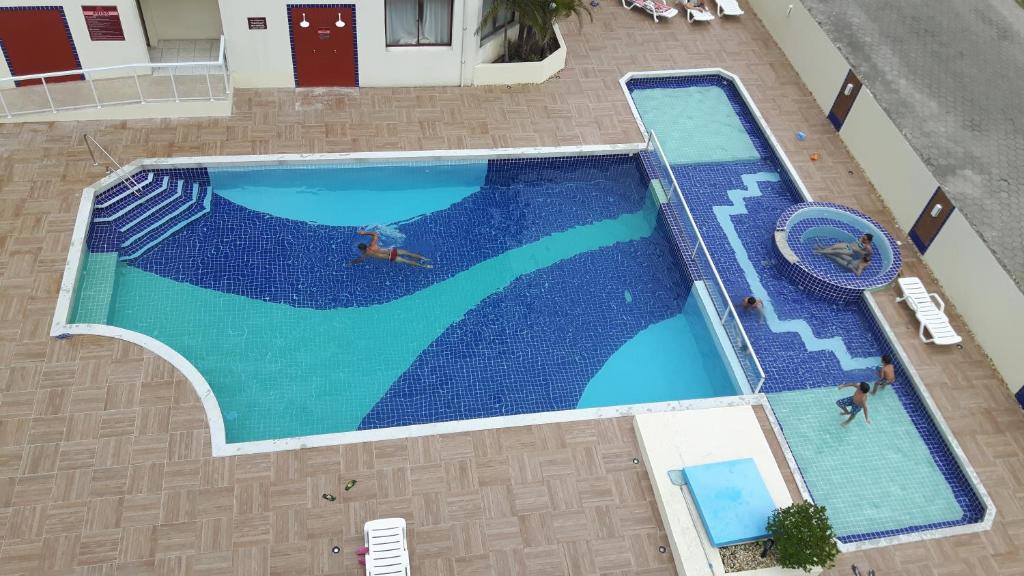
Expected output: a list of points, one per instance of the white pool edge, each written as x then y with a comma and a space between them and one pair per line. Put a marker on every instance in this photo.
940, 423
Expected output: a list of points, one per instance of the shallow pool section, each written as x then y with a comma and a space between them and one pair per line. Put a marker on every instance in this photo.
553, 279
898, 474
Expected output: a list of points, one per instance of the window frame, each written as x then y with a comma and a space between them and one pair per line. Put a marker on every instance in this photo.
488, 36
419, 20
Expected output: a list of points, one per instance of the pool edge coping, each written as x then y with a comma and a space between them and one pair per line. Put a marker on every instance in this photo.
933, 412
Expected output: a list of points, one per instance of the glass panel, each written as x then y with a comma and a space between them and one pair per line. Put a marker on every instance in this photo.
401, 21
436, 24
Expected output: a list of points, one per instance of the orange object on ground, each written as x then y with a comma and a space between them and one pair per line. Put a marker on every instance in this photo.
815, 156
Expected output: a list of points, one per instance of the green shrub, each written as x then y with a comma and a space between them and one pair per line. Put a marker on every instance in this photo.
803, 536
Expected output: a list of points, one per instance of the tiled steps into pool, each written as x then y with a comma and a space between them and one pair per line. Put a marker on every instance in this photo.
98, 273
139, 218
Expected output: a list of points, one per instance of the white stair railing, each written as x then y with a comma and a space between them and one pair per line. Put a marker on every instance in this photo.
129, 182
217, 67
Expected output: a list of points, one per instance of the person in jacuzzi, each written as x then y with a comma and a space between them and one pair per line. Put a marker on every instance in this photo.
851, 250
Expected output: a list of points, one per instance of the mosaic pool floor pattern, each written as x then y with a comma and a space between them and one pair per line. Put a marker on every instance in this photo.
807, 345
538, 283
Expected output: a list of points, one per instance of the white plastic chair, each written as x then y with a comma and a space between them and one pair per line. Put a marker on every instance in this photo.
387, 547
729, 8
699, 15
930, 311
653, 7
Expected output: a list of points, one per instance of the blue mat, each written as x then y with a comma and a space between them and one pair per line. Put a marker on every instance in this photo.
732, 499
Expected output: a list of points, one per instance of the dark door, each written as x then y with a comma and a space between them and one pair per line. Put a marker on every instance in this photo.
932, 219
844, 102
37, 40
323, 53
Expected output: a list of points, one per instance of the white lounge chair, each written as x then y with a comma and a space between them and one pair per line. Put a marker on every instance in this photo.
930, 311
387, 547
729, 8
655, 8
699, 15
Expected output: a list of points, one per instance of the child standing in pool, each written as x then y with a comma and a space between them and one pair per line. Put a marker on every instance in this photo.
886, 374
851, 405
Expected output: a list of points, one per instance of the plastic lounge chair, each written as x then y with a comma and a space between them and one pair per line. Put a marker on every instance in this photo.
729, 8
930, 311
699, 15
387, 549
653, 7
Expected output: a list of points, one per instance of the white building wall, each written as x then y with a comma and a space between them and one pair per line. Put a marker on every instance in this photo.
181, 19
262, 58
969, 274
132, 50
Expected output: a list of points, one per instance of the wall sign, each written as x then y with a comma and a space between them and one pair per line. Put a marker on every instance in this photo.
324, 33
103, 22
257, 23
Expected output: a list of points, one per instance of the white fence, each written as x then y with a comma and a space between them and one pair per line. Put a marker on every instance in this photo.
138, 84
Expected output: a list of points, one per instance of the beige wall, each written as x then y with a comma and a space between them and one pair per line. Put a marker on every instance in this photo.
181, 19
969, 275
262, 58
132, 50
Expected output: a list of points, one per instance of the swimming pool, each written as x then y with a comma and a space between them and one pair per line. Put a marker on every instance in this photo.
554, 287
894, 477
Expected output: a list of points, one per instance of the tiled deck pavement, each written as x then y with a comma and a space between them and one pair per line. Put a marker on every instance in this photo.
104, 464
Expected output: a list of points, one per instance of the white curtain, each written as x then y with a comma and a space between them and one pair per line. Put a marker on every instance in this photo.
436, 27
402, 16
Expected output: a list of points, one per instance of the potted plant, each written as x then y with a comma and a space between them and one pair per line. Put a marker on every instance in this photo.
536, 24
803, 536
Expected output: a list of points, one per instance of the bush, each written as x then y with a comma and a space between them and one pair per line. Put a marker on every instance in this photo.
803, 536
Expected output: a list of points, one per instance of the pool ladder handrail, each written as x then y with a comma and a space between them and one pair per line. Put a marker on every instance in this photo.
89, 141
653, 138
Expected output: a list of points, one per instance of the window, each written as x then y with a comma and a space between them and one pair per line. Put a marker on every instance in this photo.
418, 22
502, 19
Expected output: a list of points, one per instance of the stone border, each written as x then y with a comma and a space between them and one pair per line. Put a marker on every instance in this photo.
915, 379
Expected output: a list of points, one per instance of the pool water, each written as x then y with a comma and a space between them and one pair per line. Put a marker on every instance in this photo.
551, 279
893, 476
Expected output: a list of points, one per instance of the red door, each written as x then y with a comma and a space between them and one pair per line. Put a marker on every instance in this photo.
324, 54
37, 41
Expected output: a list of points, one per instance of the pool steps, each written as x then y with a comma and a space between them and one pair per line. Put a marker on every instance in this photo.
124, 193
139, 219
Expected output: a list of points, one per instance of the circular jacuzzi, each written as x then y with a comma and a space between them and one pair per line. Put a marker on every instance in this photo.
804, 227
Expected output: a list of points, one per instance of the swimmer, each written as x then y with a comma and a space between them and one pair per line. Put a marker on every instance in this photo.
857, 267
392, 254
852, 405
886, 374
752, 304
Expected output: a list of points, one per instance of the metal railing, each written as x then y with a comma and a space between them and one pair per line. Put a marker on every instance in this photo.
217, 68
706, 266
89, 141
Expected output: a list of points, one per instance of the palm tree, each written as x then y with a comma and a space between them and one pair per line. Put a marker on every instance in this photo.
499, 7
536, 22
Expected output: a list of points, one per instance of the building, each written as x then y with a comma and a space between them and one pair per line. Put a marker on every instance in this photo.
268, 43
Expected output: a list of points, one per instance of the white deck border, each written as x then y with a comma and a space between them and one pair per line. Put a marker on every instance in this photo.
940, 423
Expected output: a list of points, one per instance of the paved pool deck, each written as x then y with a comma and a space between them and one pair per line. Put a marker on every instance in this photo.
104, 449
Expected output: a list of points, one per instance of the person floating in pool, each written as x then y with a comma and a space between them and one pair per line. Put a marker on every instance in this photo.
862, 247
391, 254
752, 304
852, 405
886, 374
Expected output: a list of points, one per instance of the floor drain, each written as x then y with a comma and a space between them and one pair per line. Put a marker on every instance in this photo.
661, 549
336, 549
636, 460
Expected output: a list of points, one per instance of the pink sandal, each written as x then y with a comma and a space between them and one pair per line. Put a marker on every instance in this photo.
362, 550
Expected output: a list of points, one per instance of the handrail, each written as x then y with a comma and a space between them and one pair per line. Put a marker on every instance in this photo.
707, 255
88, 74
89, 141
83, 71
